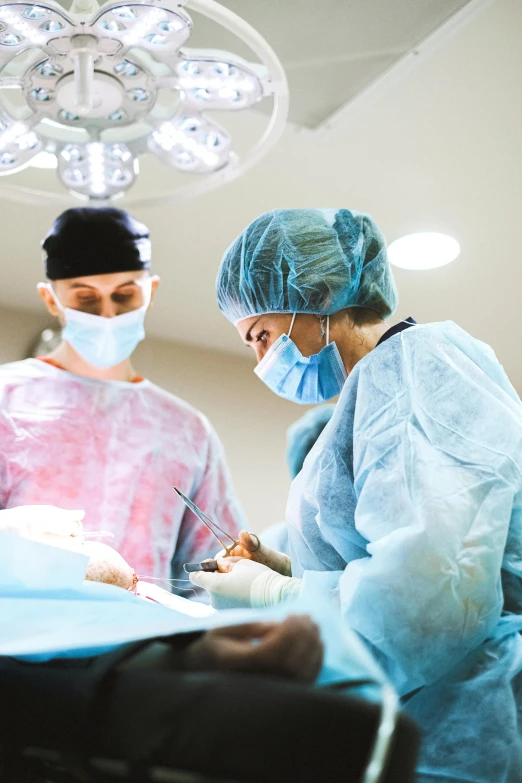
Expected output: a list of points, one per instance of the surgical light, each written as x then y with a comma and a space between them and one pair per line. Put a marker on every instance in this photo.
44, 160
97, 171
18, 144
105, 86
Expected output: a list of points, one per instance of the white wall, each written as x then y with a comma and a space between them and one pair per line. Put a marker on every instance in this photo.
250, 420
19, 330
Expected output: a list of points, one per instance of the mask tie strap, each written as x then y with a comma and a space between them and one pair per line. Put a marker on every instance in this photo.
321, 323
291, 325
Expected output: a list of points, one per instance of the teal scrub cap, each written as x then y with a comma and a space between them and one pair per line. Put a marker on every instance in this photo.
306, 261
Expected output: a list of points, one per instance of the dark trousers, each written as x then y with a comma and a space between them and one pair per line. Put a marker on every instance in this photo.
148, 712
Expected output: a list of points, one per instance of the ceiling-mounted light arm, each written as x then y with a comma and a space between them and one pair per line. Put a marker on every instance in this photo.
10, 83
83, 54
84, 7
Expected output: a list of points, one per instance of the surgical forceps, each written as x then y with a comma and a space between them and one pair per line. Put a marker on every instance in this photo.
210, 565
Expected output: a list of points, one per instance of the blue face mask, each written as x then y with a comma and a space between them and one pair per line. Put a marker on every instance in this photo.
103, 342
307, 380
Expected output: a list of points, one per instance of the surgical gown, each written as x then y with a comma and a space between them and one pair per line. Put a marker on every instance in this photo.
408, 510
115, 450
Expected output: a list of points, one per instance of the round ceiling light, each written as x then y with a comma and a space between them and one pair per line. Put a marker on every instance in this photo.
426, 250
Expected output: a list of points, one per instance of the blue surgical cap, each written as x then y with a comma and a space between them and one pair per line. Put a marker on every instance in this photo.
303, 433
306, 261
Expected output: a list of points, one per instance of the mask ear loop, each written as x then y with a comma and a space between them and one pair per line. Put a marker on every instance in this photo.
291, 325
147, 285
49, 287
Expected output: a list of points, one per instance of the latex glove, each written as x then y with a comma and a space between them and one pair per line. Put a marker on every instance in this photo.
252, 548
49, 524
291, 649
243, 583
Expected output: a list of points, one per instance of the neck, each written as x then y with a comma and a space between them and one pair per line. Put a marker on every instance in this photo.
70, 360
354, 342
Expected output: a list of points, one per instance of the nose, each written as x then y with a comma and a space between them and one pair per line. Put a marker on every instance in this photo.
108, 308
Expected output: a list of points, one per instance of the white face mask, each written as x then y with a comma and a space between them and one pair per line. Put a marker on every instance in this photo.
307, 380
104, 342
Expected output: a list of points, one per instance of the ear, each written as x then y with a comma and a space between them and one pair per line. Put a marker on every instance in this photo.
154, 287
48, 299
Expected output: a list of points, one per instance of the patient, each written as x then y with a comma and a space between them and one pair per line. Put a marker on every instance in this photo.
233, 703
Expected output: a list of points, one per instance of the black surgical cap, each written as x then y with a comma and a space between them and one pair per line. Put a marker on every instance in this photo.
95, 241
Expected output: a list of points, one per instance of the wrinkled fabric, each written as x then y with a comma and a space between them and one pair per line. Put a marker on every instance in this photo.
276, 537
300, 438
115, 450
48, 611
408, 510
306, 261
302, 435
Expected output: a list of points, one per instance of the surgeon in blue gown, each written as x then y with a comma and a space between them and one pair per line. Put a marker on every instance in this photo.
408, 509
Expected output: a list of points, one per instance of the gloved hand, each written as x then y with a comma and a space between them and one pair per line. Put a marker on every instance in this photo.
252, 548
42, 523
243, 583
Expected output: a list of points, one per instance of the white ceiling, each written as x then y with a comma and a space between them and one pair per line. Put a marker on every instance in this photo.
334, 49
438, 150
330, 51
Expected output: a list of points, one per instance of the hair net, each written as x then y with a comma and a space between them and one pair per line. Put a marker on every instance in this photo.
88, 241
306, 261
303, 434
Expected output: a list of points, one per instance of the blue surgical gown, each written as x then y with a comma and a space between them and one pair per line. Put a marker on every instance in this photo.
408, 510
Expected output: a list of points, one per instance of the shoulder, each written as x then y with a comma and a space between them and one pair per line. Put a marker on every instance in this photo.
444, 333
439, 352
434, 367
173, 406
190, 426
422, 360
24, 371
434, 344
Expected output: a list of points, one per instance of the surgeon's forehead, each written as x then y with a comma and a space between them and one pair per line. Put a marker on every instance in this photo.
105, 282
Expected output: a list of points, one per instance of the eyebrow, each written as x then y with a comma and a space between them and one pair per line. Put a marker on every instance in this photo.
248, 337
81, 285
93, 288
